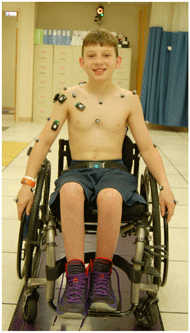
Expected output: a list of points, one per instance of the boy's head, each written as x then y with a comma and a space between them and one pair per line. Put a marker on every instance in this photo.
101, 37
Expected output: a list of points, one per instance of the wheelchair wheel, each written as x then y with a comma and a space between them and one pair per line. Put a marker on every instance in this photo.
30, 311
146, 314
29, 306
21, 249
38, 217
149, 190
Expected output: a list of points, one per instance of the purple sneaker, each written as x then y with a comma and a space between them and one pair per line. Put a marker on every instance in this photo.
101, 297
73, 302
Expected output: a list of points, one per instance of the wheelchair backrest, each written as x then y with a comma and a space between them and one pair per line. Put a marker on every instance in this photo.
130, 155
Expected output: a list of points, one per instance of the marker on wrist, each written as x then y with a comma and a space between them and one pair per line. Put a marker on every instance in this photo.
28, 181
161, 188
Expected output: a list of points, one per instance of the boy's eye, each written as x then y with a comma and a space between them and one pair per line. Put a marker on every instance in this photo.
107, 55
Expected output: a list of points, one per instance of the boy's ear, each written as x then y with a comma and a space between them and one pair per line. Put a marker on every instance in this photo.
81, 62
118, 62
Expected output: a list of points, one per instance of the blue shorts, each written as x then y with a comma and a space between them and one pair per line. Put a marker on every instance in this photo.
93, 181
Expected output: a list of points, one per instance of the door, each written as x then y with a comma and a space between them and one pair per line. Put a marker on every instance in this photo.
9, 62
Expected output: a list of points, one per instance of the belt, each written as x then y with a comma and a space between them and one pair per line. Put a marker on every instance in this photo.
98, 165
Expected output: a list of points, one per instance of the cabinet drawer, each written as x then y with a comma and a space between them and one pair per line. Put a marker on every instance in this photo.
63, 53
61, 69
122, 83
42, 97
76, 80
42, 68
77, 53
43, 83
126, 55
43, 53
41, 112
59, 83
78, 71
123, 72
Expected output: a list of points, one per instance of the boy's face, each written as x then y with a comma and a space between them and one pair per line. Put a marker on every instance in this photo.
99, 62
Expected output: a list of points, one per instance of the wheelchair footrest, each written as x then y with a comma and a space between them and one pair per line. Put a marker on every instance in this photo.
112, 314
152, 271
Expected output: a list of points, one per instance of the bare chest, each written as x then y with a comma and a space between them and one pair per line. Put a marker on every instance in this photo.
110, 114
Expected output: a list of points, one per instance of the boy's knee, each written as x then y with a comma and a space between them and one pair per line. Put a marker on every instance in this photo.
71, 189
109, 196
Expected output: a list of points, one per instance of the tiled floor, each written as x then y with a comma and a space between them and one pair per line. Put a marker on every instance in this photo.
173, 147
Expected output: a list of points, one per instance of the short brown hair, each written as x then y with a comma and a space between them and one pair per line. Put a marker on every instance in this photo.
102, 37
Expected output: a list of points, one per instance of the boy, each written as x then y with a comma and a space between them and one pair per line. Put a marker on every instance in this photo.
97, 114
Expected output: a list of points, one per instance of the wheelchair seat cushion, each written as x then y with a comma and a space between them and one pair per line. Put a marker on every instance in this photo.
134, 212
93, 181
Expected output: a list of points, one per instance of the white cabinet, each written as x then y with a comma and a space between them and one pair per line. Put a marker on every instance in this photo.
42, 89
57, 67
121, 75
43, 53
62, 68
79, 75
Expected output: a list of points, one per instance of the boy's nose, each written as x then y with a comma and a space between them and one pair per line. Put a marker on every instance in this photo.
98, 61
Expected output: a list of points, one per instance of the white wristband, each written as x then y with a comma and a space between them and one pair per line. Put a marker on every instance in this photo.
30, 178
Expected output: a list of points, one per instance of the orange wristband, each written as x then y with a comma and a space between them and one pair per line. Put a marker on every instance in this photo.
28, 181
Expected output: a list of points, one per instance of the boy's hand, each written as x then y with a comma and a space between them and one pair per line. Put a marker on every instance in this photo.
166, 199
25, 200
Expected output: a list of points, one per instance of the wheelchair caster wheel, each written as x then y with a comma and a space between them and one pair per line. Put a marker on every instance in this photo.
29, 306
30, 310
146, 314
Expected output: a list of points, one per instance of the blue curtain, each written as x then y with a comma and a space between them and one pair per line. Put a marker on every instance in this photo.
164, 94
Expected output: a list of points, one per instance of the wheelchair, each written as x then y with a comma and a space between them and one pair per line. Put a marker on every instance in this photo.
148, 269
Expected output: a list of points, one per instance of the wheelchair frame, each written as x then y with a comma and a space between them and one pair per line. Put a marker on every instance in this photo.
148, 257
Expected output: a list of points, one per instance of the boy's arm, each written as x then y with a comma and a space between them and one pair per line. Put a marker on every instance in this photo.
150, 155
39, 152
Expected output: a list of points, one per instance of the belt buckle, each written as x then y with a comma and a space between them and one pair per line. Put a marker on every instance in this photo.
97, 165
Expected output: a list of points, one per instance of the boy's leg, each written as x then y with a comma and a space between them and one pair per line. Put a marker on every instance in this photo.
72, 220
73, 301
109, 203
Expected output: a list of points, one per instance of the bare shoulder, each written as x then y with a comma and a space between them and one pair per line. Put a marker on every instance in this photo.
73, 91
68, 95
132, 100
128, 93
78, 88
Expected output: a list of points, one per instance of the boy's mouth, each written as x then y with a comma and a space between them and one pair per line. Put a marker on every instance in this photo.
99, 70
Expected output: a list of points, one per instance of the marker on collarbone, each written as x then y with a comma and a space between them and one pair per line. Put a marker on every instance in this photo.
61, 98
80, 106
